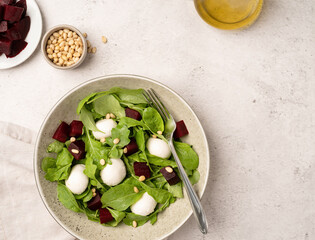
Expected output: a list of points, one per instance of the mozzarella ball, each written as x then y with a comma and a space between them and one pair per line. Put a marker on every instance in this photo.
114, 173
159, 148
144, 206
106, 126
77, 181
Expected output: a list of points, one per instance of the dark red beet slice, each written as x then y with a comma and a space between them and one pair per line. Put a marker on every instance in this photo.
76, 128
17, 47
95, 203
19, 29
5, 45
12, 13
181, 130
133, 114
141, 169
1, 12
171, 177
77, 149
22, 4
7, 2
105, 215
3, 26
62, 132
132, 147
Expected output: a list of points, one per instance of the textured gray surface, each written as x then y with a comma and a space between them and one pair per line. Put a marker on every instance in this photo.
253, 90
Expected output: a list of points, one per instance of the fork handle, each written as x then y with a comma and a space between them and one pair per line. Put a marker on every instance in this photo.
193, 198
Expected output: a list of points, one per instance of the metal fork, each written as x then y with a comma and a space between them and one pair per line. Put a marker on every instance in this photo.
170, 126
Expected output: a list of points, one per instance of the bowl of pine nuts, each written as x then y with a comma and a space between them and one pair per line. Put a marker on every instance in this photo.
64, 47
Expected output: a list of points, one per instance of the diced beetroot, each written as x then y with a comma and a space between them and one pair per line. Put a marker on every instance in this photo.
12, 13
7, 2
17, 47
77, 149
132, 147
22, 4
76, 128
171, 177
141, 169
181, 130
5, 45
105, 215
95, 203
62, 132
133, 114
1, 12
19, 29
3, 26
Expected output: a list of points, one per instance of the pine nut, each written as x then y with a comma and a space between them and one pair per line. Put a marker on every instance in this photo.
93, 190
112, 115
141, 178
154, 136
134, 224
125, 150
85, 35
88, 43
94, 194
72, 139
169, 169
107, 116
159, 132
102, 162
75, 151
135, 189
116, 141
104, 39
102, 140
94, 50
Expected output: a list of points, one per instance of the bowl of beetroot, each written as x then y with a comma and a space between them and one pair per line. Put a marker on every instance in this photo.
20, 31
89, 210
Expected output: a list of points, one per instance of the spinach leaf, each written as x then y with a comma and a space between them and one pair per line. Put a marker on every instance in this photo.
130, 217
187, 155
160, 161
83, 101
66, 197
117, 215
134, 96
153, 119
55, 147
48, 162
176, 190
120, 197
122, 133
159, 195
108, 104
87, 118
130, 122
61, 173
140, 139
194, 178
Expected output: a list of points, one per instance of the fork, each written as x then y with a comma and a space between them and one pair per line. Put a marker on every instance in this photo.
170, 126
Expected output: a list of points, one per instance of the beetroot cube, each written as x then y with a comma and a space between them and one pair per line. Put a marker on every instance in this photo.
181, 130
133, 114
19, 29
76, 128
170, 175
5, 45
1, 12
141, 169
95, 203
17, 47
77, 149
62, 132
12, 13
7, 2
132, 147
3, 26
105, 215
22, 4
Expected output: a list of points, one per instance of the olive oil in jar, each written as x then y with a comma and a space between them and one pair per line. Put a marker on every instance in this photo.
229, 14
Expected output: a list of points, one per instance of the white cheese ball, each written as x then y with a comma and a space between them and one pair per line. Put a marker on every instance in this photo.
106, 126
159, 148
77, 181
114, 173
144, 206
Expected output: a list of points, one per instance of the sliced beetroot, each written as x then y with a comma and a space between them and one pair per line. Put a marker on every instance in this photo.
105, 215
77, 149
17, 47
181, 130
171, 177
76, 128
19, 30
3, 26
95, 203
1, 12
22, 4
5, 45
141, 169
133, 114
7, 2
62, 132
132, 147
12, 13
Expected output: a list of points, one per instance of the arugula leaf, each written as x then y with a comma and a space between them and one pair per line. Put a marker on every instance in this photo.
90, 171
108, 104
122, 133
176, 190
160, 161
47, 163
61, 173
130, 122
194, 178
64, 158
83, 102
55, 147
153, 119
140, 139
88, 197
66, 197
87, 118
187, 155
120, 197
115, 152
159, 195
130, 217
134, 96
117, 215
92, 215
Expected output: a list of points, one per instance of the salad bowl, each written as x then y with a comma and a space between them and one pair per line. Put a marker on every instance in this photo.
77, 224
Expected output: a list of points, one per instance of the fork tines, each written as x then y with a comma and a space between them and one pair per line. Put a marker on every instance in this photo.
154, 101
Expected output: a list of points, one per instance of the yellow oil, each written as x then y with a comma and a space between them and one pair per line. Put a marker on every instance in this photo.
229, 14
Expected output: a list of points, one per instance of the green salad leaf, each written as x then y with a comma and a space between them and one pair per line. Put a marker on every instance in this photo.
47, 163
66, 197
153, 119
87, 118
108, 104
55, 147
187, 155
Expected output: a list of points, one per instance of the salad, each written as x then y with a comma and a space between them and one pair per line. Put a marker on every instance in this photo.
114, 165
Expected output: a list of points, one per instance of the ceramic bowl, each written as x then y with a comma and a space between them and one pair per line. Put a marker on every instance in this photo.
55, 29
77, 223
